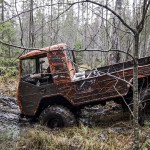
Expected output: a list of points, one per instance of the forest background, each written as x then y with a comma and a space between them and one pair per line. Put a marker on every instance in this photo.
29, 24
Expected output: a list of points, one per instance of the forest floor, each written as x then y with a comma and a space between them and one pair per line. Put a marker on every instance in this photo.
111, 130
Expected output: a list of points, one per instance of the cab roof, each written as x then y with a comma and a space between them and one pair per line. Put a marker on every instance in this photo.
43, 50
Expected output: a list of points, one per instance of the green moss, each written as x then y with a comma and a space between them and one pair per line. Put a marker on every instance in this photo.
147, 123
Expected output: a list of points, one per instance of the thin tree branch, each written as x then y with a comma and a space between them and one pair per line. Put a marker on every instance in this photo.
145, 9
105, 51
124, 101
108, 8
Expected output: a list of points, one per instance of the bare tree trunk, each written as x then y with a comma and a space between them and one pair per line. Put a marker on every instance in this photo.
31, 26
51, 25
143, 53
20, 23
135, 93
42, 34
2, 18
116, 33
2, 15
148, 46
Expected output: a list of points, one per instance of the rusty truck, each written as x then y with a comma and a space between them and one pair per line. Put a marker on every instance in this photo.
51, 89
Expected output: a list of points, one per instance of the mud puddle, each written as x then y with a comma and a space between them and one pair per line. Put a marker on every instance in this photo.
10, 126
104, 116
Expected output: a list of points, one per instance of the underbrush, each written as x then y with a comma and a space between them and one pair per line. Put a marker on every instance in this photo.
8, 85
82, 138
8, 66
8, 71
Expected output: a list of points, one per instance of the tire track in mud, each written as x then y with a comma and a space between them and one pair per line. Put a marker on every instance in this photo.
9, 118
9, 110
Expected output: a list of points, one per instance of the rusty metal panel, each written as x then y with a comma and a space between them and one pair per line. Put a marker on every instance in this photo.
42, 51
58, 67
94, 89
61, 69
144, 71
101, 88
30, 95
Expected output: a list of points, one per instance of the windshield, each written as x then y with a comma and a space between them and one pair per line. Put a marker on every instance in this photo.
28, 66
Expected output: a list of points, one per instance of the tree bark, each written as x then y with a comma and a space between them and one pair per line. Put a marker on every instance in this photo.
135, 93
51, 25
31, 26
2, 15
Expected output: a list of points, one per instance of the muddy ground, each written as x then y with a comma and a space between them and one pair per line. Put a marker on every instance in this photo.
11, 128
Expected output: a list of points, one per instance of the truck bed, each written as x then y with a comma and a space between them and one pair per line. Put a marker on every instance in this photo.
106, 86
121, 66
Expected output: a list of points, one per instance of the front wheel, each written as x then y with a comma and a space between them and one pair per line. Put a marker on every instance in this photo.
57, 116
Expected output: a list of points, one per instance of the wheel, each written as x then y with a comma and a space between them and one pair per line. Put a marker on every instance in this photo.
145, 100
144, 105
57, 116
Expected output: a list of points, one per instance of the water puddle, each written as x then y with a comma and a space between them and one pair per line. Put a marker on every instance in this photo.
10, 127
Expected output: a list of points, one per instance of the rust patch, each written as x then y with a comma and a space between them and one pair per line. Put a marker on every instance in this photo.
43, 50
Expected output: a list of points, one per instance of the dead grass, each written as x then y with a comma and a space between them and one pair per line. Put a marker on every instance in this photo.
8, 86
82, 138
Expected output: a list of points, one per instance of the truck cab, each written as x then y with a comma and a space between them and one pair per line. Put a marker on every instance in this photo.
48, 65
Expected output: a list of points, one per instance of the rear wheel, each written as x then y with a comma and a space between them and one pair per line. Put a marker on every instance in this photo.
57, 116
144, 105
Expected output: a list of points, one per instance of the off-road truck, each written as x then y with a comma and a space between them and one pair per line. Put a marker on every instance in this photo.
51, 90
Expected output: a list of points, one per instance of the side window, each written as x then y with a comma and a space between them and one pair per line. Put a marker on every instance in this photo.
44, 68
28, 67
44, 65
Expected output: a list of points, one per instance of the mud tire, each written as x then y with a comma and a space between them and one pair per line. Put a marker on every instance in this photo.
144, 107
57, 116
145, 97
